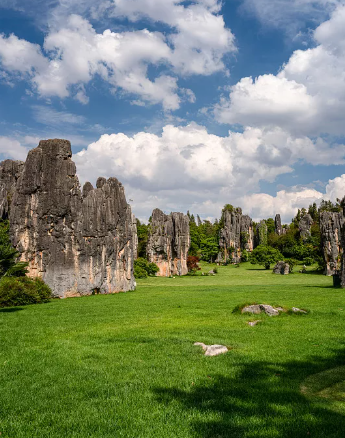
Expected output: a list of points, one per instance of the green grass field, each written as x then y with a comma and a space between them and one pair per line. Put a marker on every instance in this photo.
125, 366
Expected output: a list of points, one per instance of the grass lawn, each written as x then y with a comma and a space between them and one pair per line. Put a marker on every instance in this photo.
125, 366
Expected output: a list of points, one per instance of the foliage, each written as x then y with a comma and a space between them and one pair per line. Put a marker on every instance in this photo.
308, 261
19, 291
143, 233
265, 256
142, 267
292, 263
8, 255
209, 249
193, 263
271, 226
245, 256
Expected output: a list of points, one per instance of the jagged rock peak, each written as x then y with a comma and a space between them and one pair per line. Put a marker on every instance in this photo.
230, 234
330, 230
79, 243
247, 233
278, 225
168, 242
10, 171
305, 225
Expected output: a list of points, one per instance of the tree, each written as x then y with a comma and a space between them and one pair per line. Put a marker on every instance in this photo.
265, 256
9, 266
143, 234
209, 249
192, 264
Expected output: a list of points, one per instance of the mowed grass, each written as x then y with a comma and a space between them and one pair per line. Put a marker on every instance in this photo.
125, 366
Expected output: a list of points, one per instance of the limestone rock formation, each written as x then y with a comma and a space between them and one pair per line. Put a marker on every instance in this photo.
342, 233
78, 242
282, 268
247, 233
230, 235
305, 226
10, 171
330, 230
261, 233
212, 350
278, 225
168, 243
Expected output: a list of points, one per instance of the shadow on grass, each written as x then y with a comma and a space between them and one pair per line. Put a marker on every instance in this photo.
11, 309
262, 400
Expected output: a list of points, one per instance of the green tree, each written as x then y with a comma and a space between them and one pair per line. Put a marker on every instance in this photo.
9, 266
265, 256
143, 234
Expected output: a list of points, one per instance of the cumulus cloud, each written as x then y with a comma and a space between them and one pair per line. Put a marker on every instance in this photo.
74, 53
290, 14
307, 97
187, 168
12, 148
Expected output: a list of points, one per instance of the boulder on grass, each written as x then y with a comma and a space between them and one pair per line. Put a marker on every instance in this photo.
212, 350
282, 268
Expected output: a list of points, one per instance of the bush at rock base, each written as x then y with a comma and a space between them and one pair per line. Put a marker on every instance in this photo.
19, 291
144, 269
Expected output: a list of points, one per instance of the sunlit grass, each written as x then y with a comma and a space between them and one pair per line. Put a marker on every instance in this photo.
124, 365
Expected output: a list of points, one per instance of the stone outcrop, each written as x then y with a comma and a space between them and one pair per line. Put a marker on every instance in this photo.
230, 235
342, 240
282, 268
261, 233
330, 230
304, 226
278, 225
247, 233
79, 242
168, 243
10, 171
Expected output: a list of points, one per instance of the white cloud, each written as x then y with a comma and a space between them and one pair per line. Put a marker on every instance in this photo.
290, 15
11, 148
51, 117
307, 97
74, 53
187, 168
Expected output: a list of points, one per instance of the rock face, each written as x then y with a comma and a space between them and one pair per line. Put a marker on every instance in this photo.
261, 233
79, 242
168, 243
342, 233
236, 235
278, 225
247, 233
281, 268
10, 171
305, 226
330, 230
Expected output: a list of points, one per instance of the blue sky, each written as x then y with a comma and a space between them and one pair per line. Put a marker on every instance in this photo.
191, 104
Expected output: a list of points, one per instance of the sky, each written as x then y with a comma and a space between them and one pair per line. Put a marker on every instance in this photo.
190, 104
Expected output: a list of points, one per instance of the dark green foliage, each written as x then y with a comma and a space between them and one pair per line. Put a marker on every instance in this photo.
308, 261
271, 227
204, 239
265, 256
143, 268
19, 291
245, 256
139, 272
8, 255
143, 233
209, 249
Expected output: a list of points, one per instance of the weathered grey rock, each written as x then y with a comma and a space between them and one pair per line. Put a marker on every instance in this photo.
168, 243
77, 242
278, 225
269, 310
297, 310
282, 268
230, 235
330, 230
199, 221
212, 350
211, 272
261, 233
253, 323
305, 226
10, 171
342, 241
254, 308
247, 233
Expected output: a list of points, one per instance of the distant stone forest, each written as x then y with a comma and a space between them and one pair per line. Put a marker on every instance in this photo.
84, 240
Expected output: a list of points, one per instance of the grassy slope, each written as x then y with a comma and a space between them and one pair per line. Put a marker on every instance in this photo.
125, 365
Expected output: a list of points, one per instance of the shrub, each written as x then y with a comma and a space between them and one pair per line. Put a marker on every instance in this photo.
265, 256
244, 256
19, 291
192, 263
308, 261
139, 272
291, 263
142, 264
215, 270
